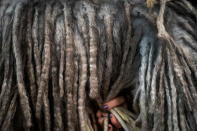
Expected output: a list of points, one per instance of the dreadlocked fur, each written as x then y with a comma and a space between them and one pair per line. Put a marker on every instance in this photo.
60, 60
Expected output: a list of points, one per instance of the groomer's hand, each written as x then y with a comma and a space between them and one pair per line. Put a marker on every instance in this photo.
118, 101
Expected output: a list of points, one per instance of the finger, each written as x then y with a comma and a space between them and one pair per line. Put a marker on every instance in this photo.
114, 121
100, 121
100, 114
111, 128
114, 102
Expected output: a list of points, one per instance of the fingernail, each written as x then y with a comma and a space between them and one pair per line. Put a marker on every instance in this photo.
110, 115
105, 107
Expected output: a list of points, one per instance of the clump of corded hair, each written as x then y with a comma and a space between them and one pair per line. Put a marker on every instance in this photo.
60, 60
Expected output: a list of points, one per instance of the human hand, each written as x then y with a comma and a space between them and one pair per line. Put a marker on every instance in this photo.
118, 101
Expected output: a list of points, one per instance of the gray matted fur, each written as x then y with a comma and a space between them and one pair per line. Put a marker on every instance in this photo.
61, 59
